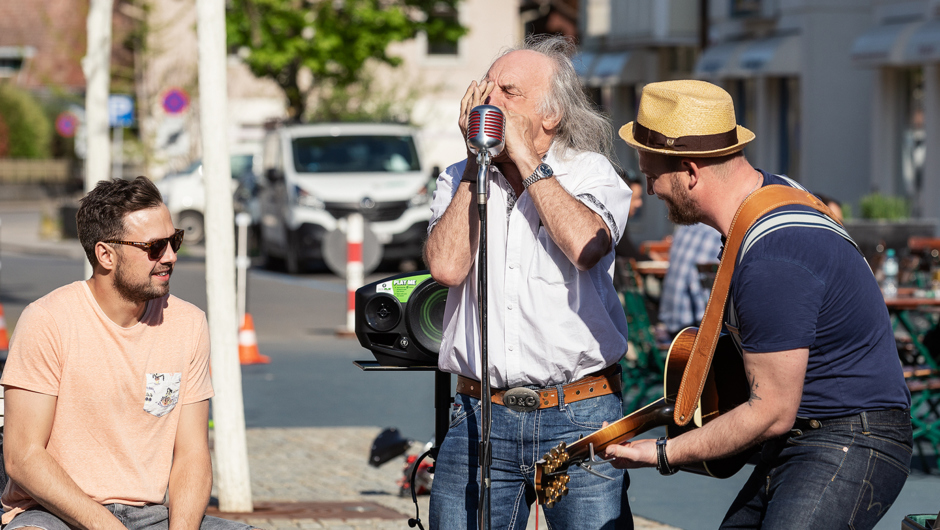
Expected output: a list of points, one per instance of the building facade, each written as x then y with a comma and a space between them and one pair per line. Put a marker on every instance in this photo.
844, 95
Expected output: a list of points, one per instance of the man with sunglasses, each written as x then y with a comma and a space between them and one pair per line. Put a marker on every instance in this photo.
107, 383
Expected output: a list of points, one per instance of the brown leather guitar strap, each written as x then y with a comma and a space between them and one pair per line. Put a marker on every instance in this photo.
755, 206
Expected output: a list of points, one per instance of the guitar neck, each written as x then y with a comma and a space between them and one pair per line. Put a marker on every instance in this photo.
655, 414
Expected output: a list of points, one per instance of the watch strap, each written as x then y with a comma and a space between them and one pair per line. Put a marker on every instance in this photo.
662, 465
537, 175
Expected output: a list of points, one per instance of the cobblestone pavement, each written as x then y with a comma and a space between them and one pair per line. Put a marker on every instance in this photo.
328, 466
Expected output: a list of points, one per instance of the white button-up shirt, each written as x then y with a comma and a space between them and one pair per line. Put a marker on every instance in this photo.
548, 322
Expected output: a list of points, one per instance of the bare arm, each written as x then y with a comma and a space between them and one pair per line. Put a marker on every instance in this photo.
579, 232
191, 474
28, 425
452, 244
776, 382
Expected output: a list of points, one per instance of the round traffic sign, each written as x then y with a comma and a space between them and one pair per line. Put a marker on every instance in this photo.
175, 100
66, 124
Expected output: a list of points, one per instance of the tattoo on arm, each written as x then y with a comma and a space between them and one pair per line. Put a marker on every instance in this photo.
752, 383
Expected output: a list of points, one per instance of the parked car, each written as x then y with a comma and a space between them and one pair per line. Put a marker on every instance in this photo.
185, 193
313, 176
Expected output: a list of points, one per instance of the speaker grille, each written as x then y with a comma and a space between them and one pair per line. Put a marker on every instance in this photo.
382, 312
425, 318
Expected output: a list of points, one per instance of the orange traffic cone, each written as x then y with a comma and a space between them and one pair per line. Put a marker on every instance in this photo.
248, 344
4, 340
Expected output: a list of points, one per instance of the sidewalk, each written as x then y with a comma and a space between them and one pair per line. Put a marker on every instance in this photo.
325, 472
300, 477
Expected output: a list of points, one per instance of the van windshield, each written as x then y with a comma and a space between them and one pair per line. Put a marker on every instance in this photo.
355, 154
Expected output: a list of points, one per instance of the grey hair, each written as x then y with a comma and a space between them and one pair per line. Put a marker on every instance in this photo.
581, 127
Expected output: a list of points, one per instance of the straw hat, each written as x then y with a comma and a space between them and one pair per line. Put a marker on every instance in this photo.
686, 118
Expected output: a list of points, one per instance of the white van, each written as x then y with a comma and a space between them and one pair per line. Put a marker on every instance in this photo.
313, 176
184, 193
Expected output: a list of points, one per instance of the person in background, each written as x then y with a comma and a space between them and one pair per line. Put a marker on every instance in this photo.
828, 403
107, 384
556, 330
834, 206
683, 299
625, 248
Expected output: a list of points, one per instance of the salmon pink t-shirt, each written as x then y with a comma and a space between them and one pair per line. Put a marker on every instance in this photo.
119, 390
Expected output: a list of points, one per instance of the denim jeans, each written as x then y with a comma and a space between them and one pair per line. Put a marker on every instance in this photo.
518, 440
839, 475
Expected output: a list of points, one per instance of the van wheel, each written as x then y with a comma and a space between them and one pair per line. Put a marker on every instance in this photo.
194, 226
267, 260
292, 260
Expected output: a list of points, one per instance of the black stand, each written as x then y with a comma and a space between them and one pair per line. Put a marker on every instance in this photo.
442, 397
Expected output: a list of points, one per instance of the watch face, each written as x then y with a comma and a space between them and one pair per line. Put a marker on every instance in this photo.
545, 170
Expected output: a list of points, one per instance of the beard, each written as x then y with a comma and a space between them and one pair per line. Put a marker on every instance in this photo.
139, 292
682, 210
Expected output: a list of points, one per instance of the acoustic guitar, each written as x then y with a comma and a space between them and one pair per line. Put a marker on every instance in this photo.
726, 387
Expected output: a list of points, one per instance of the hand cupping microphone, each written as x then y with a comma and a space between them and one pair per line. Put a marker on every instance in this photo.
486, 130
486, 138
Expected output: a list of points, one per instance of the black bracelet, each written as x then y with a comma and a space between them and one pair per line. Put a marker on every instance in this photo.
662, 465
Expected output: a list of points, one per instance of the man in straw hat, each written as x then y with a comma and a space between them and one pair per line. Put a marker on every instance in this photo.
555, 210
828, 400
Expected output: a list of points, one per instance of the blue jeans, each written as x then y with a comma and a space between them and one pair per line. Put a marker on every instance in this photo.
519, 439
839, 475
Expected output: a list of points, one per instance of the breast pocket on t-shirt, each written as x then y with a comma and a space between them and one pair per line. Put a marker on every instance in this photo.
163, 392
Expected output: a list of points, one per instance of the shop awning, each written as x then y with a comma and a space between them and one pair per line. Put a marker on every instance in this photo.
582, 62
924, 44
720, 61
617, 68
774, 56
883, 45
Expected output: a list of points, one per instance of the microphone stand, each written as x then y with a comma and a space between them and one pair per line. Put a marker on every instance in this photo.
485, 450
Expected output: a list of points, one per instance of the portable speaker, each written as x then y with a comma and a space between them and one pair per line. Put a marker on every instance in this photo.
401, 319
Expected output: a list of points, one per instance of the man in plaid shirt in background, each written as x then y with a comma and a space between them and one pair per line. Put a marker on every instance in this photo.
683, 299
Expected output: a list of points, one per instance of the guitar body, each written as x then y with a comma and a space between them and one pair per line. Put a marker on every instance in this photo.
725, 388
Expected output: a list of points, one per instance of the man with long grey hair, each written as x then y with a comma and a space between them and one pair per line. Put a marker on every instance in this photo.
555, 210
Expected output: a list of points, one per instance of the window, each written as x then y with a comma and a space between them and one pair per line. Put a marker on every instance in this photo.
12, 59
912, 146
439, 42
790, 127
355, 154
744, 8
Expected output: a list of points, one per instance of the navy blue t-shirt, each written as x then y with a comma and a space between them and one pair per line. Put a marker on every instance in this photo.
805, 286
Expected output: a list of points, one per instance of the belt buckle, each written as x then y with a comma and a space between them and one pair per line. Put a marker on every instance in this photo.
521, 399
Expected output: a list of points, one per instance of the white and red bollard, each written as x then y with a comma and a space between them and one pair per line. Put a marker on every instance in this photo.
354, 269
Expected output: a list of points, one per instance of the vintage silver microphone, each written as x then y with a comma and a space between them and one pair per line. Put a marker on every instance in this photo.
486, 138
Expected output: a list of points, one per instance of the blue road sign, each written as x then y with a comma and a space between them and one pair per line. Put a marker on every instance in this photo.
120, 110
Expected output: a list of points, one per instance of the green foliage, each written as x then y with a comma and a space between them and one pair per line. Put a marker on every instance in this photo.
362, 102
878, 206
25, 130
332, 39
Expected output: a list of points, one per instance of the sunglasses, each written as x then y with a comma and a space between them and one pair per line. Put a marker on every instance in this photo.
155, 249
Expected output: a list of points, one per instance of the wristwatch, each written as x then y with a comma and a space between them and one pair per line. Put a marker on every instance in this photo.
543, 171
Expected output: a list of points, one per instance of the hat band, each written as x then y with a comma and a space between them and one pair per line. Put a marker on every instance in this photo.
701, 142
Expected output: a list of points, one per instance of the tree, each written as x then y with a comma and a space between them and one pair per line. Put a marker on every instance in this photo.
25, 131
332, 39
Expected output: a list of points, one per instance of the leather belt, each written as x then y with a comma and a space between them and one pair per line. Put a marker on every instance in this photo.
606, 381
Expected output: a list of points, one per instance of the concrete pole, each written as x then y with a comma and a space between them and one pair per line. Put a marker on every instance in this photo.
97, 68
231, 451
